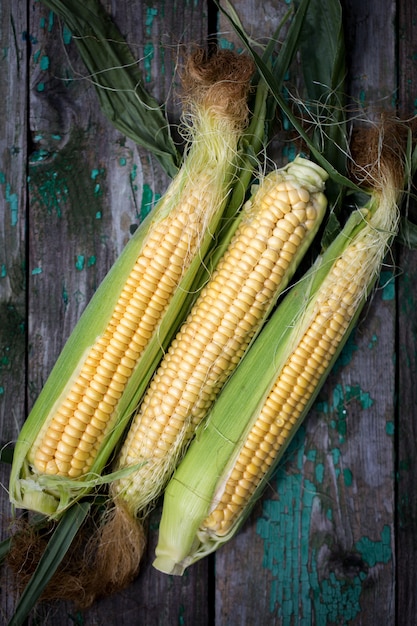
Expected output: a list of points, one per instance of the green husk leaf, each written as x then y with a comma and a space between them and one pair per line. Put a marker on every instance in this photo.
117, 79
339, 177
324, 68
57, 547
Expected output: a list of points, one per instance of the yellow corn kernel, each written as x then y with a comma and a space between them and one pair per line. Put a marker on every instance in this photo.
220, 327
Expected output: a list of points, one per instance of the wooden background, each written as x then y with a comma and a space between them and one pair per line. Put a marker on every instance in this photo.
334, 539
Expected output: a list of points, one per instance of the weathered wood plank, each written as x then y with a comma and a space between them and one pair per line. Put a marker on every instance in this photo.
407, 362
13, 330
318, 547
88, 186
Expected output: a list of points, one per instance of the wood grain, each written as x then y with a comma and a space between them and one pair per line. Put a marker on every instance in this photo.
332, 540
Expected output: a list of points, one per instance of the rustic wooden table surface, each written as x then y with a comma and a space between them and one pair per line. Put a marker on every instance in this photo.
334, 539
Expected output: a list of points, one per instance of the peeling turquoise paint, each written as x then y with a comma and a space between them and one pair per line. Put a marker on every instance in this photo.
346, 355
148, 201
51, 19
387, 283
374, 552
347, 477
3, 271
151, 13
11, 199
51, 190
289, 152
319, 472
390, 428
298, 593
122, 161
373, 342
341, 396
147, 61
44, 64
91, 261
66, 35
336, 600
79, 264
280, 526
99, 215
36, 270
225, 44
64, 295
40, 87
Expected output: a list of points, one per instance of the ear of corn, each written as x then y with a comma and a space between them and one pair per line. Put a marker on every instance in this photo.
266, 399
106, 364
276, 227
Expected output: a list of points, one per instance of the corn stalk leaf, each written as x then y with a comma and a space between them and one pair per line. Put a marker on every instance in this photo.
275, 87
57, 548
324, 68
117, 79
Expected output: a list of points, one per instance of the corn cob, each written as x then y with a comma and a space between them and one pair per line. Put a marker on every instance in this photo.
263, 404
276, 228
116, 345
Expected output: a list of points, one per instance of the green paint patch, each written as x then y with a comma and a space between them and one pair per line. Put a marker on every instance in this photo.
44, 64
341, 397
91, 261
51, 20
36, 271
387, 283
225, 44
282, 523
40, 87
390, 428
151, 13
79, 264
373, 342
11, 199
374, 552
54, 183
3, 271
122, 161
64, 295
147, 61
319, 472
347, 477
149, 199
66, 35
337, 601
